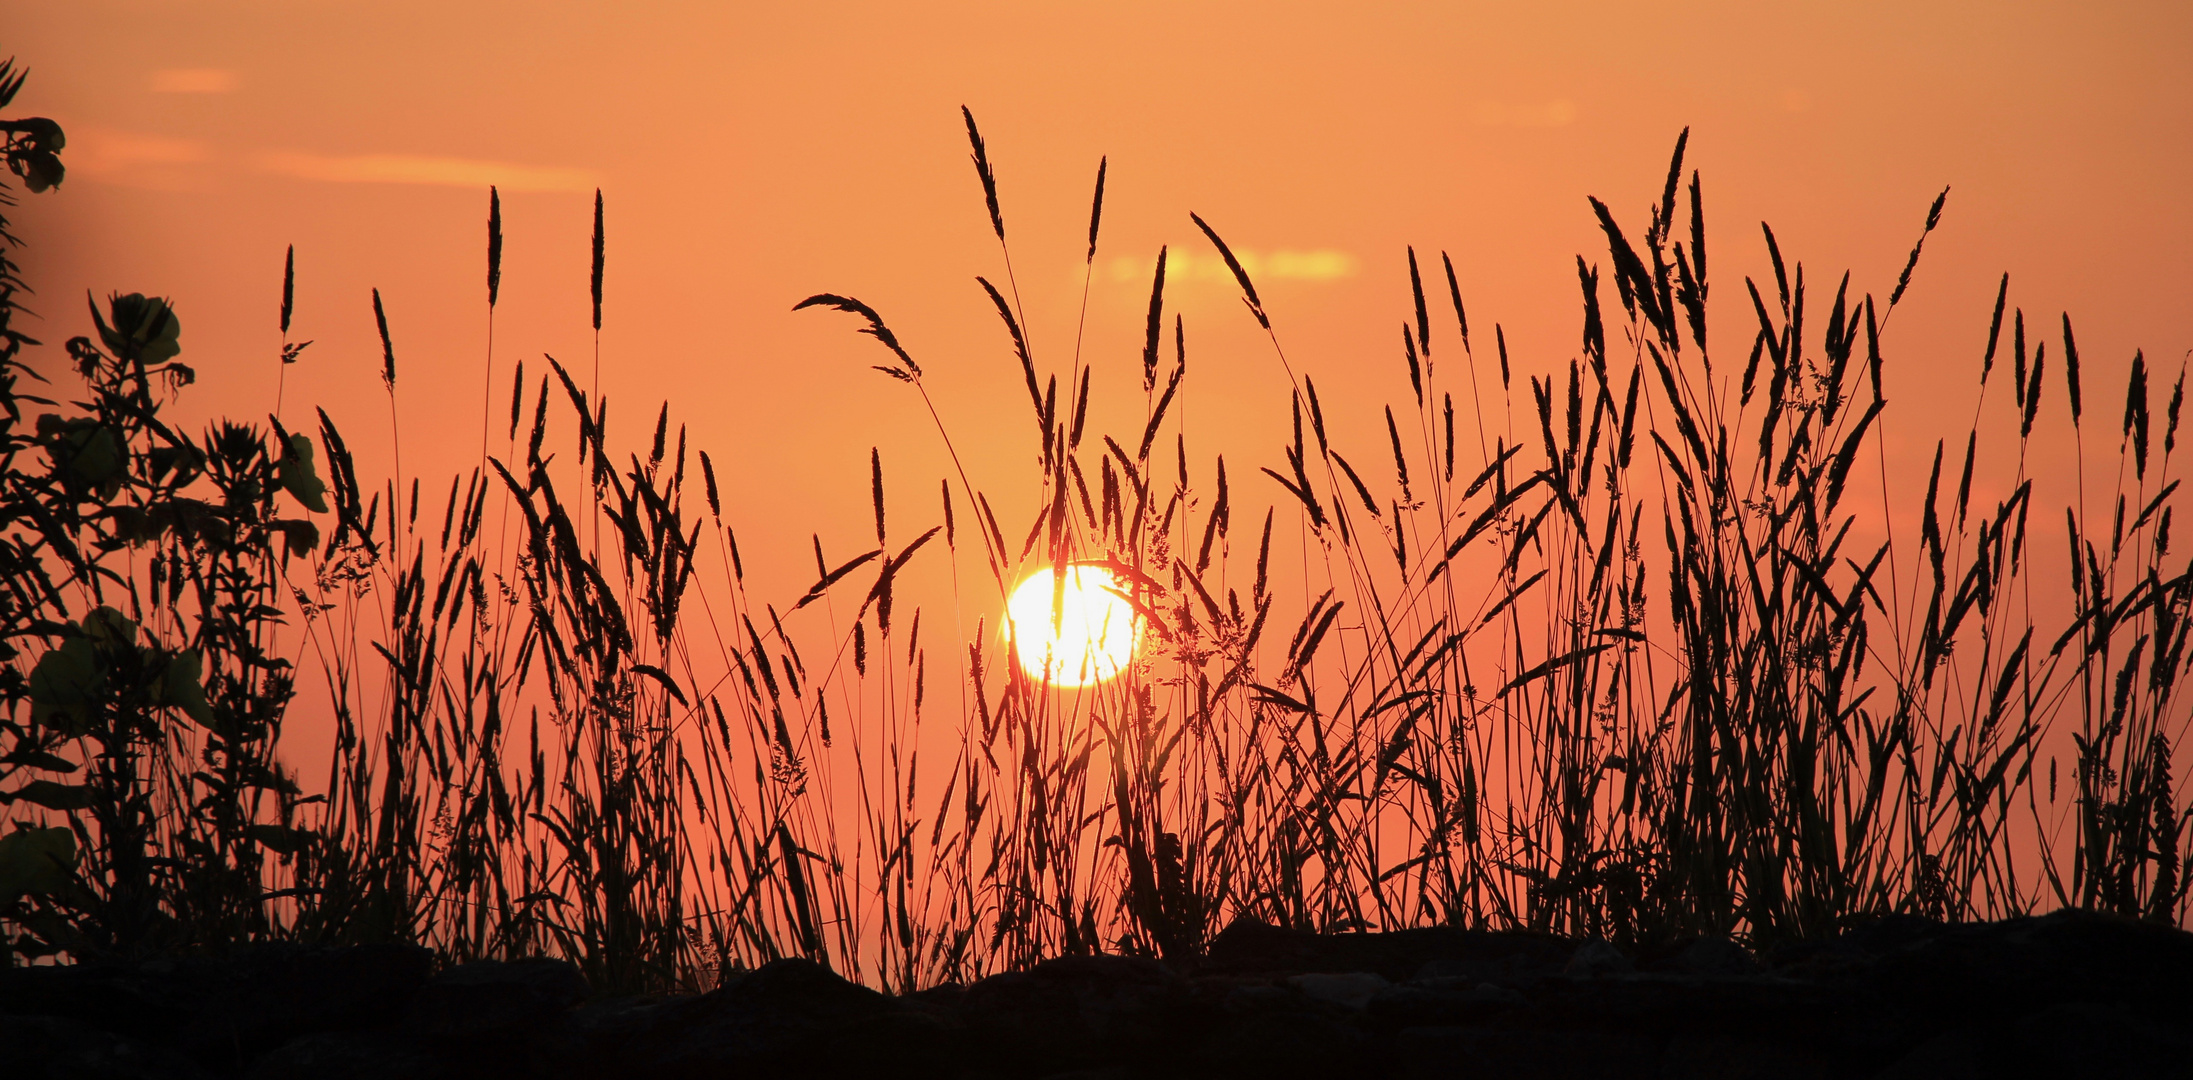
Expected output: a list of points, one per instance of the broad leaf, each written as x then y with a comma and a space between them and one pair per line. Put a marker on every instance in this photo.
35, 861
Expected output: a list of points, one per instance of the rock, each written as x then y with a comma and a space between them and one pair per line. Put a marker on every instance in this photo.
356, 1055
268, 995
58, 1048
115, 997
1664, 1005
1712, 956
2088, 1039
1597, 958
617, 1018
1853, 950
223, 1011
1501, 1053
2066, 995
787, 1016
2074, 1040
1735, 1057
1978, 974
484, 1018
1443, 1002
1258, 1028
1081, 1012
1891, 932
1282, 1041
1350, 990
491, 997
1248, 946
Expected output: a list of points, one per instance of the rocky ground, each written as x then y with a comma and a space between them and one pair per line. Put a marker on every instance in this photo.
2065, 995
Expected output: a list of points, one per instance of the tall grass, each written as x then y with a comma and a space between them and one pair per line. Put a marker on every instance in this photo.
1602, 657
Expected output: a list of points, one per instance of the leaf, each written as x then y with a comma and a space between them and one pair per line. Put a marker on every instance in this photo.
1556, 664
35, 861
821, 586
280, 838
302, 535
181, 686
297, 476
39, 759
259, 777
64, 685
109, 627
84, 450
1266, 695
50, 795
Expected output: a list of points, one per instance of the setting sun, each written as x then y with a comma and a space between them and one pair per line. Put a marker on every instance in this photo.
1091, 639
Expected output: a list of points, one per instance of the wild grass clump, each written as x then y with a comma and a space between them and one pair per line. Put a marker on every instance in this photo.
1600, 656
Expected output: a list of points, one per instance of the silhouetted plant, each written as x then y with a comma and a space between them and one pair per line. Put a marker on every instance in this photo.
1511, 694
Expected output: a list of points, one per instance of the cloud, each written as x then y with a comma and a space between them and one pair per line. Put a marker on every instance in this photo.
1318, 265
131, 159
1559, 112
192, 81
1322, 265
414, 169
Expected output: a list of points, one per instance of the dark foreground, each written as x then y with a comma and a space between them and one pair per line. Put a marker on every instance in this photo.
2066, 995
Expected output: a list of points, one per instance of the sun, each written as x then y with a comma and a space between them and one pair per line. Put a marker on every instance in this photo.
1093, 637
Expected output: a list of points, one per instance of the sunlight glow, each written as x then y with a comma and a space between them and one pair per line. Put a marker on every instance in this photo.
1095, 633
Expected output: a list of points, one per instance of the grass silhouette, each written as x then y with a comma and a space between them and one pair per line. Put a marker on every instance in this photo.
1604, 662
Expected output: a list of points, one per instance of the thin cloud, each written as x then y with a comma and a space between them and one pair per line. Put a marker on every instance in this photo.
192, 81
1559, 112
414, 169
131, 159
1321, 265
1316, 265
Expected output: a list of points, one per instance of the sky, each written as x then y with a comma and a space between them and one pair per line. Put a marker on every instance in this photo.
750, 155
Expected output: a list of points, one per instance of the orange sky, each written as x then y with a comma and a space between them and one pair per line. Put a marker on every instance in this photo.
753, 154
